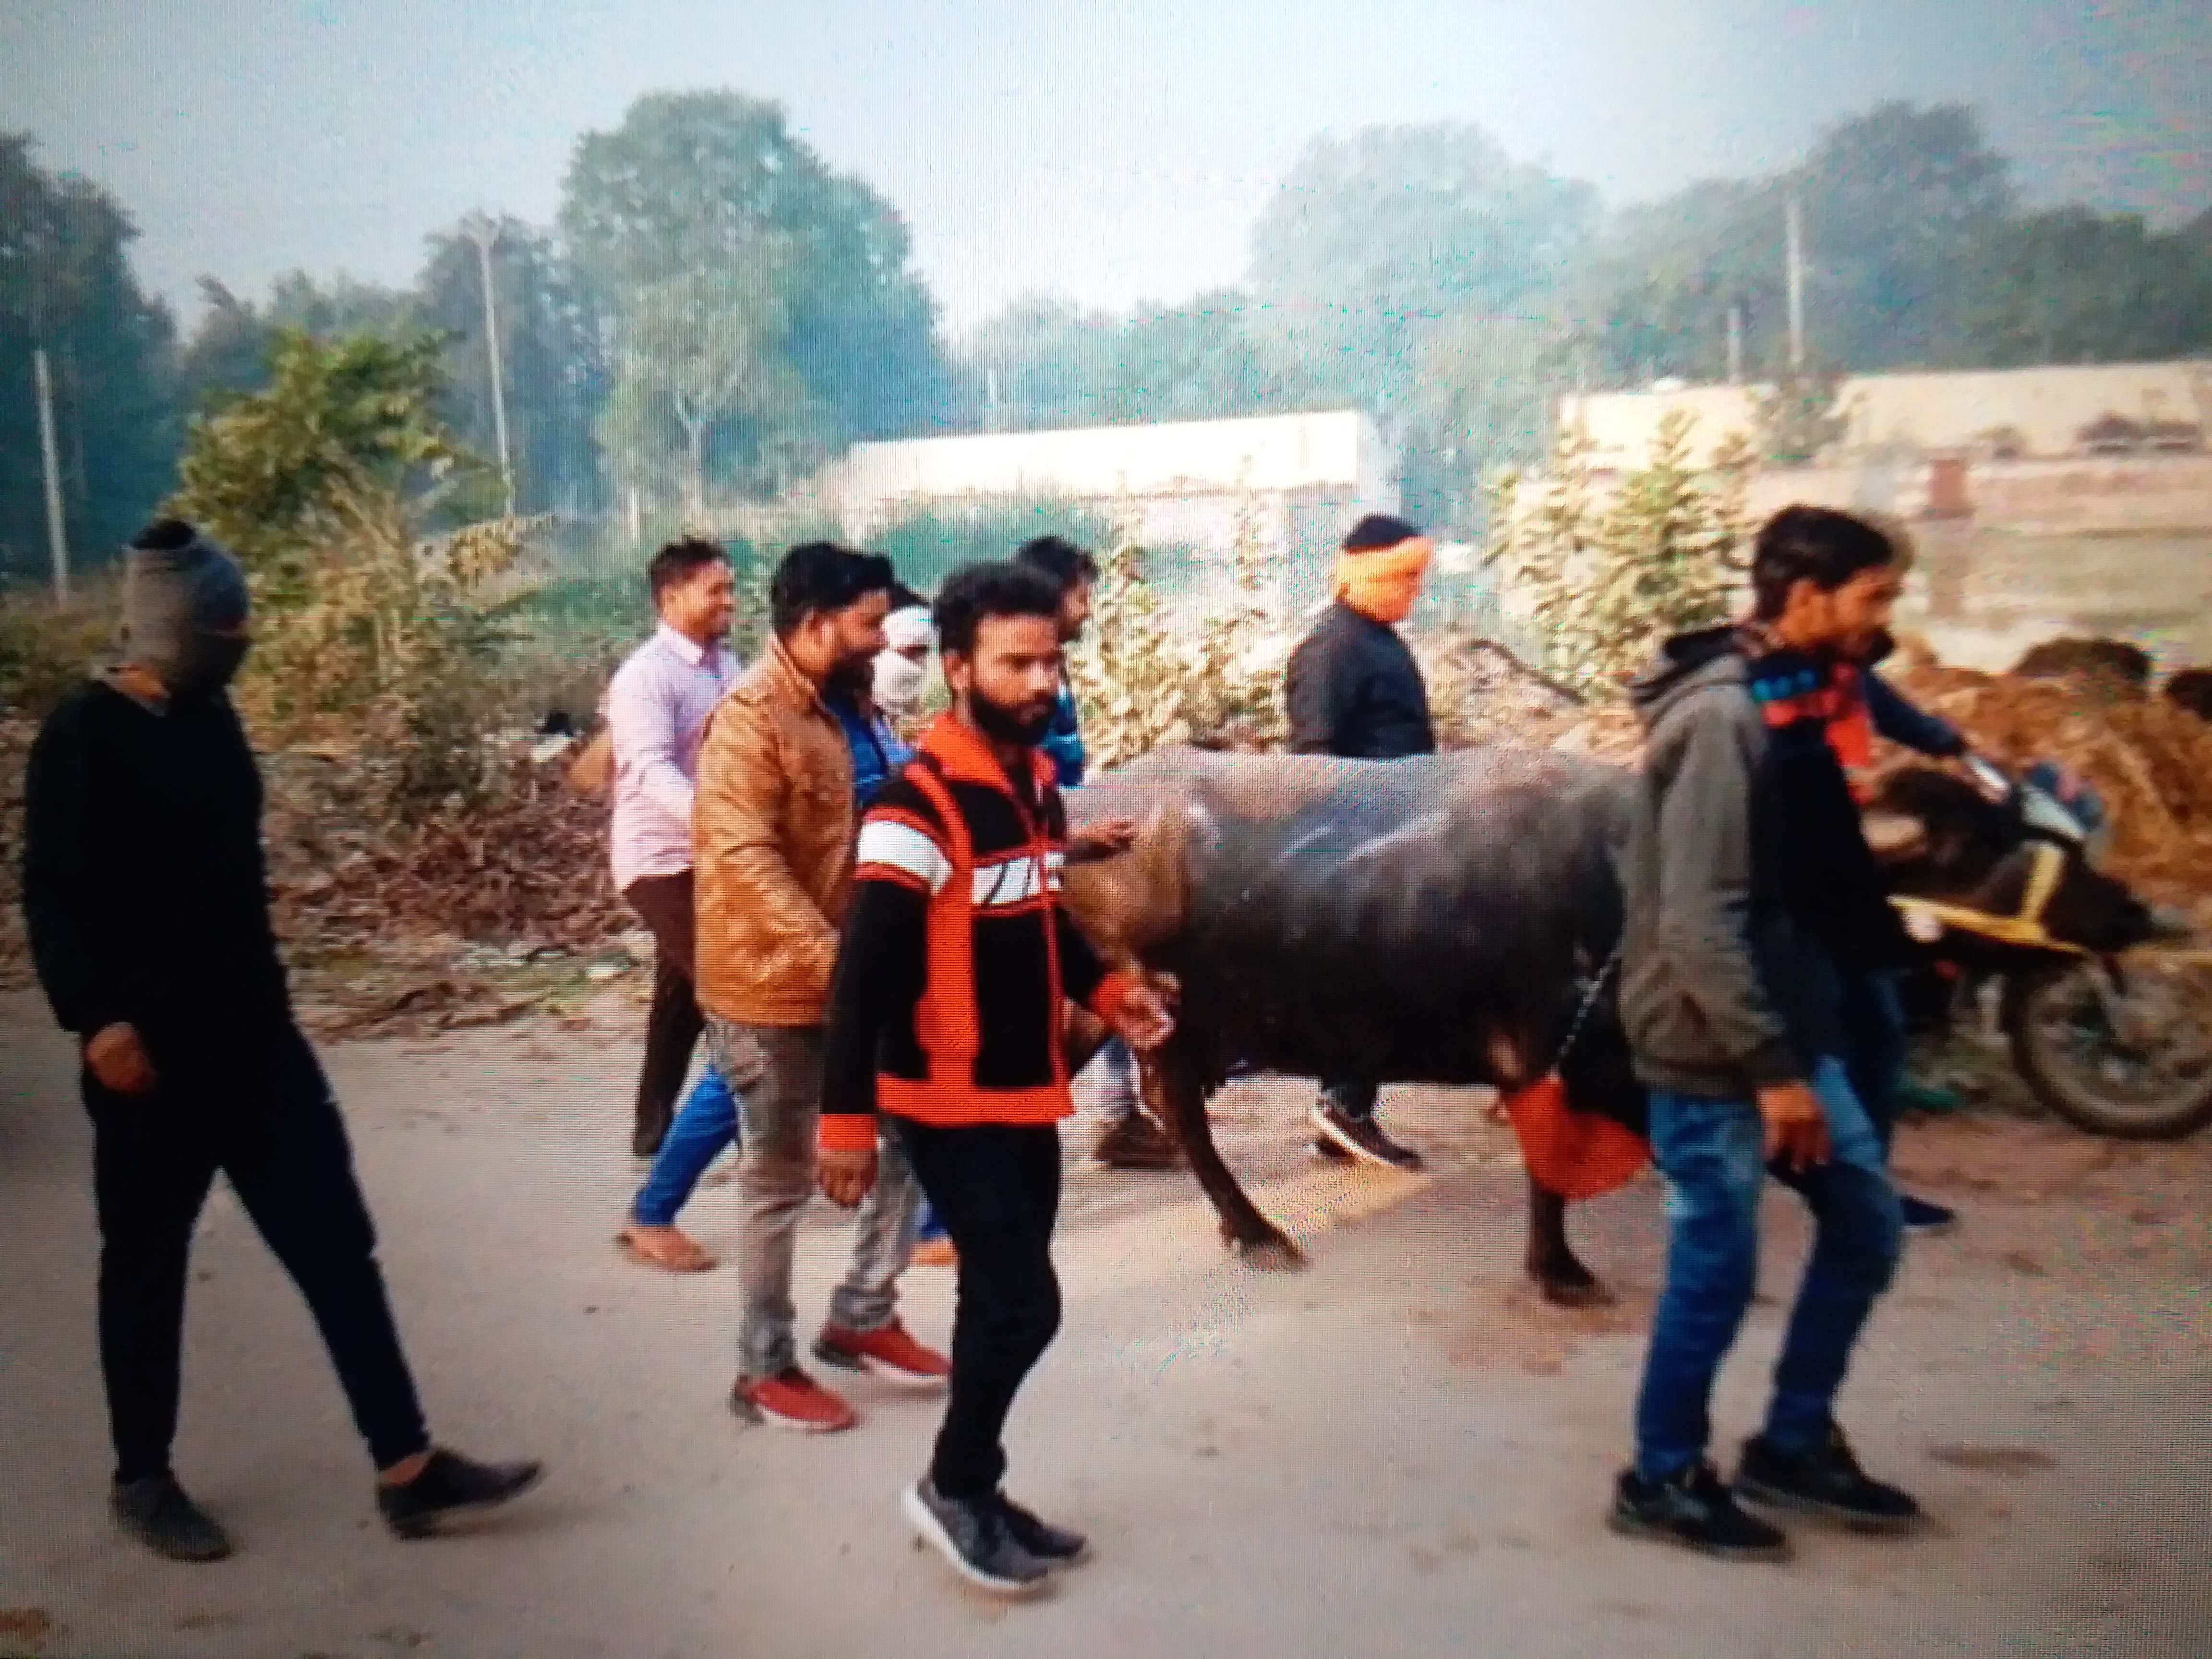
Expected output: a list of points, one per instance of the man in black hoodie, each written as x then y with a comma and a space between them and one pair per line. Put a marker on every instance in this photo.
149, 913
1752, 902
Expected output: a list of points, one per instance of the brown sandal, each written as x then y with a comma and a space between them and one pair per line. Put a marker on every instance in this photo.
664, 1248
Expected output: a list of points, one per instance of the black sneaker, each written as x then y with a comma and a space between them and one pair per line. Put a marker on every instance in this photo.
1695, 1510
1925, 1219
976, 1538
156, 1512
1056, 1547
1827, 1482
1363, 1138
451, 1484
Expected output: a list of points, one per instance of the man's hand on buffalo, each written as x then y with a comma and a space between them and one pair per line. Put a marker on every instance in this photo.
1797, 1127
846, 1176
1102, 841
1143, 1020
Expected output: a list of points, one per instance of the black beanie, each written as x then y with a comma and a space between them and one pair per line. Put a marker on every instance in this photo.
181, 592
1376, 531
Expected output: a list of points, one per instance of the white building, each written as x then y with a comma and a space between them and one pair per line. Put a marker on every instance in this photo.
1296, 482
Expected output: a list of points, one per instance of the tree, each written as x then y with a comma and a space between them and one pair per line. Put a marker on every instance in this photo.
1890, 198
354, 416
1371, 239
1055, 365
2073, 286
1377, 244
704, 200
552, 359
66, 285
230, 350
726, 379
1606, 581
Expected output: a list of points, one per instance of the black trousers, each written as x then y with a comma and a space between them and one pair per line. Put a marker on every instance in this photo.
262, 1115
996, 1189
673, 1023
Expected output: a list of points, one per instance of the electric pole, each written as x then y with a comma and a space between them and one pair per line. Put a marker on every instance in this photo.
1796, 255
43, 385
1735, 343
484, 232
57, 536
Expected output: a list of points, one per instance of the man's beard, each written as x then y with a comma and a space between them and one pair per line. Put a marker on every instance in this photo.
854, 677
1006, 723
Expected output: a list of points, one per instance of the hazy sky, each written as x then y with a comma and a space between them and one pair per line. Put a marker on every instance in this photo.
1113, 151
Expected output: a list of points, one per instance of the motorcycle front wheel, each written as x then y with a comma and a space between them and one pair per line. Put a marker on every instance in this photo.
2130, 1059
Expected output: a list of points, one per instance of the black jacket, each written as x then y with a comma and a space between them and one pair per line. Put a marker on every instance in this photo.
946, 1006
142, 877
1355, 690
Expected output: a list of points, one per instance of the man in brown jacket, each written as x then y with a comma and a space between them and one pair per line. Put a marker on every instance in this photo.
773, 828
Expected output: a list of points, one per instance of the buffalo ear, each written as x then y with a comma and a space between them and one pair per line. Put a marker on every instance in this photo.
1895, 837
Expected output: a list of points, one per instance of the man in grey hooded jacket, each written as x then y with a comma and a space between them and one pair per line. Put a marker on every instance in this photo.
1753, 904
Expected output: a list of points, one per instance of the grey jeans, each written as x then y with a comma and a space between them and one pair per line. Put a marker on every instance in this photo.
783, 1111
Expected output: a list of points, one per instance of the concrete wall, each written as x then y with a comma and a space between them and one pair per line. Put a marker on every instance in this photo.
2043, 410
2120, 549
1267, 455
1295, 483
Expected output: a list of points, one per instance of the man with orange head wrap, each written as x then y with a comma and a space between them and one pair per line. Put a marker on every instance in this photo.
1356, 691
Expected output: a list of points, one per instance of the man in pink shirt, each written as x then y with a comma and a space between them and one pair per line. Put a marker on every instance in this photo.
657, 707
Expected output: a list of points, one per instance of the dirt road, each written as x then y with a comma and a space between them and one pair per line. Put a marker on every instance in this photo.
1395, 1453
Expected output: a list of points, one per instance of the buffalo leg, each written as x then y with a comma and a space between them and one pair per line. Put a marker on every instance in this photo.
1177, 1084
1551, 1261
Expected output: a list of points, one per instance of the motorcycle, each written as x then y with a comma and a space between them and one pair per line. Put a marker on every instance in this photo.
2120, 1047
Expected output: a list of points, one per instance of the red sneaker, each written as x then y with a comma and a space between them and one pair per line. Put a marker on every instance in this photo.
792, 1399
888, 1352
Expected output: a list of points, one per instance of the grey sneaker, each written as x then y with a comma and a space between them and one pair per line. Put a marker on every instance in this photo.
1056, 1547
156, 1512
975, 1537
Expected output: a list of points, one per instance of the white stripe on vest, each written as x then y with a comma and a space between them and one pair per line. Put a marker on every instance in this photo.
902, 847
1006, 882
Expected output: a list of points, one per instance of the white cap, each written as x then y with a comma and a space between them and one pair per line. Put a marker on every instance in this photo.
904, 629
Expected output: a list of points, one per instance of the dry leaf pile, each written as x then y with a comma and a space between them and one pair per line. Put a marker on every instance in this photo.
468, 912
2150, 760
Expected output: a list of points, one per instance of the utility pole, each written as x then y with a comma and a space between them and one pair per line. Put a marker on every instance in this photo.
1796, 255
56, 535
1735, 343
484, 232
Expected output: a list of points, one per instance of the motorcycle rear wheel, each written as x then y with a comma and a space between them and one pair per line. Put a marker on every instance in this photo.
2135, 1065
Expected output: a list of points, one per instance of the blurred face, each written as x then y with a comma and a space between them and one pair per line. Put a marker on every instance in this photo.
1007, 686
1846, 621
1074, 612
701, 607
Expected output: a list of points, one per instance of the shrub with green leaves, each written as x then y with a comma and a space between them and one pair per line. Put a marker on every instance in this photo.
1604, 582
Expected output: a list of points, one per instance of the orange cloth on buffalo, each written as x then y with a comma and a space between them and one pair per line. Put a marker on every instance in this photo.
1384, 584
1577, 1155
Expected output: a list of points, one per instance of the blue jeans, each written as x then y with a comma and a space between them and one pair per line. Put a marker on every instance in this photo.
1118, 1067
1875, 1046
928, 1227
1712, 1154
706, 1123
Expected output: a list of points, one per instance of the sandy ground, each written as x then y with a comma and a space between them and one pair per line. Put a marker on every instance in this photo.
1395, 1452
